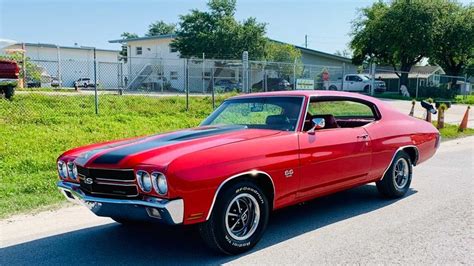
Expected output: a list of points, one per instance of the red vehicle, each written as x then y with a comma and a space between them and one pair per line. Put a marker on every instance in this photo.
9, 72
254, 154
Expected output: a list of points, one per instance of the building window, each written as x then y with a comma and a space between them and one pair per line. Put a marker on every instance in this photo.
207, 75
138, 50
173, 75
173, 50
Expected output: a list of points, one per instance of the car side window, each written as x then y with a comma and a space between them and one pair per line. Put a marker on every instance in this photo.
349, 78
342, 113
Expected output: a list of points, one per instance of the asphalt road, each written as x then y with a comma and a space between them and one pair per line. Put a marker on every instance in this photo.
432, 224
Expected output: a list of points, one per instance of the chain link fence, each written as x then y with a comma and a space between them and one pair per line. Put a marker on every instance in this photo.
116, 86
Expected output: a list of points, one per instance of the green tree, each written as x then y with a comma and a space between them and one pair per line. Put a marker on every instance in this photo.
399, 33
217, 33
286, 53
160, 28
33, 72
454, 39
126, 35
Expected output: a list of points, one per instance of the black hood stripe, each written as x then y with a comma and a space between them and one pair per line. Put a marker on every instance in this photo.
115, 156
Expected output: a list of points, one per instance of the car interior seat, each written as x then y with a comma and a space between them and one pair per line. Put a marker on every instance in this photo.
278, 122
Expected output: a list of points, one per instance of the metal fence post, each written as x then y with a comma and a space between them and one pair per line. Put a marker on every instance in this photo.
343, 74
95, 84
294, 75
23, 63
186, 82
372, 87
245, 66
203, 70
417, 82
212, 89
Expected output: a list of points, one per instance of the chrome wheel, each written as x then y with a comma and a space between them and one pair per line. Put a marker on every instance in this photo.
242, 216
401, 173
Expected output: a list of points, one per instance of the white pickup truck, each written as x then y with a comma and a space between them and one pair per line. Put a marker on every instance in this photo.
357, 82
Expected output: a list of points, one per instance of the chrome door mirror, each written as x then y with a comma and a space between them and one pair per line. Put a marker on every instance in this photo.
318, 123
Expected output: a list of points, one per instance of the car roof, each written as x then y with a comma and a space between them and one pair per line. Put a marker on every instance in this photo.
316, 93
308, 93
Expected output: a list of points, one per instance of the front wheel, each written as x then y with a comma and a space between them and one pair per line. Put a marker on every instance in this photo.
396, 181
238, 220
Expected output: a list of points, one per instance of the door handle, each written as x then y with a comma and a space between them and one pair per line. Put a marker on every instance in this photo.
363, 137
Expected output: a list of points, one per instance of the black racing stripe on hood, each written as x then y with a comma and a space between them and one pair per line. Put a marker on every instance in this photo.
115, 156
84, 157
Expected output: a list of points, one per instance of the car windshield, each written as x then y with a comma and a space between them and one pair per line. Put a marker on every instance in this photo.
276, 113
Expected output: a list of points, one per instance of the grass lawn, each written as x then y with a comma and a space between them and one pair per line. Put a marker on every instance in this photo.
468, 99
37, 128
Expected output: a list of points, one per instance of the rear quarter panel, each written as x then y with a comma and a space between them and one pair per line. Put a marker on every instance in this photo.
396, 130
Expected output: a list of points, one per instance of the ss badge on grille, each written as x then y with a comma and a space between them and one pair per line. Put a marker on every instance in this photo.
89, 181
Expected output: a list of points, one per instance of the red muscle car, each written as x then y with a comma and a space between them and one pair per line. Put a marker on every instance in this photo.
255, 153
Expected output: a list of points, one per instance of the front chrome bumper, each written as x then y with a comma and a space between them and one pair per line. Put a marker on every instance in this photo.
148, 209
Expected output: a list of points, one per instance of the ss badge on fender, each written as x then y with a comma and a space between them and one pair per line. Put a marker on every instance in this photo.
289, 173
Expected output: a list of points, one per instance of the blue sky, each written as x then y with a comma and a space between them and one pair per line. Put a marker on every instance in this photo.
95, 22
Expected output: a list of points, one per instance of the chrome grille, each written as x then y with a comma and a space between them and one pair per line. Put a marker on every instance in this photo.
115, 183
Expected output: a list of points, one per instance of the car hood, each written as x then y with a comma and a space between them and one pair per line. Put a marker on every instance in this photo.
161, 149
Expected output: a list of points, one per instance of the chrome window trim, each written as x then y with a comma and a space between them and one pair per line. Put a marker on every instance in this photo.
348, 98
270, 96
253, 172
395, 154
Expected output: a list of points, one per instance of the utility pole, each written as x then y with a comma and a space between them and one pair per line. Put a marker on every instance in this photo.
306, 41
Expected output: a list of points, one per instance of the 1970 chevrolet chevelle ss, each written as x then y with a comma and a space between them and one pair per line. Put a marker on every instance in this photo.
255, 153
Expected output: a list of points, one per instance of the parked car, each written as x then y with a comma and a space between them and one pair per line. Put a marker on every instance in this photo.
9, 72
55, 82
254, 154
227, 85
273, 84
358, 83
84, 83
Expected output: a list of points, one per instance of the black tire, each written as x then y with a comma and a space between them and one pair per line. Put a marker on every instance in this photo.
366, 88
393, 185
332, 88
9, 92
215, 232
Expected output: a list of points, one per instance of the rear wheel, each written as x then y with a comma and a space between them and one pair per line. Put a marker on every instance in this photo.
333, 88
238, 220
9, 92
366, 89
396, 181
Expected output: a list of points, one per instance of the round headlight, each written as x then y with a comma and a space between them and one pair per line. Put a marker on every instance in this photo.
62, 169
159, 183
144, 181
72, 170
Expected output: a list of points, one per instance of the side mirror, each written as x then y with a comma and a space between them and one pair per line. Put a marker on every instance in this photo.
317, 123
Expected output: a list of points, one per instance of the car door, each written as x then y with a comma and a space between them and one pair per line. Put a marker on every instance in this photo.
349, 84
333, 158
